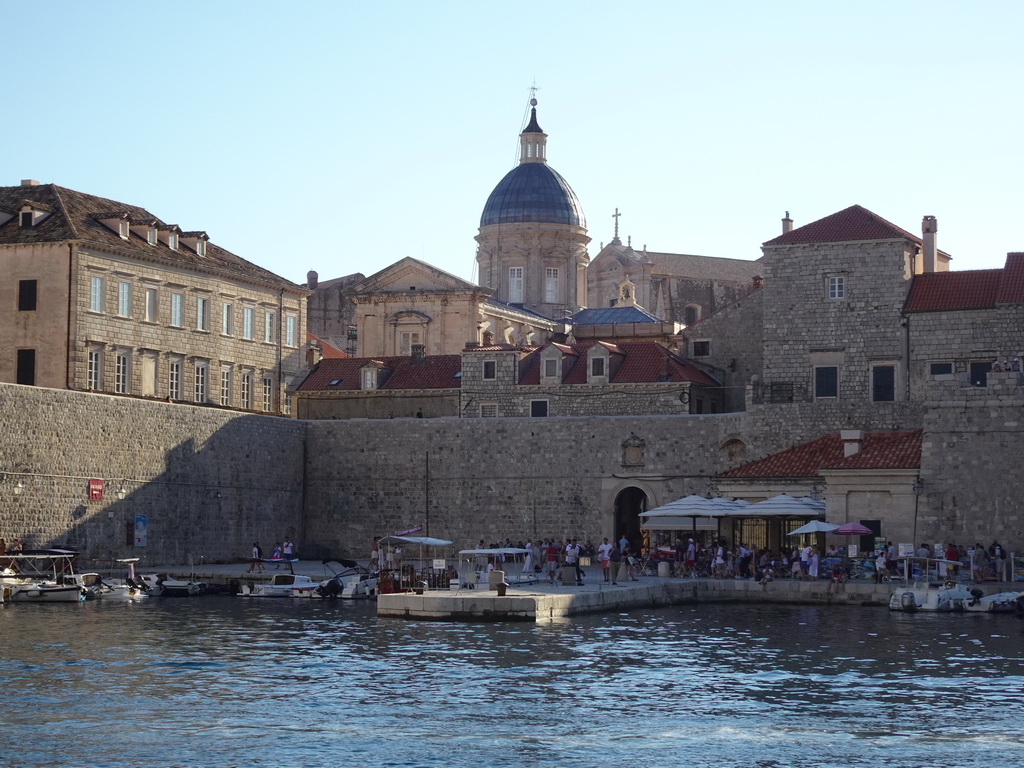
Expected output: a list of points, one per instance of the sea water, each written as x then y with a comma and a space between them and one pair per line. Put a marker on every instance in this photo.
219, 681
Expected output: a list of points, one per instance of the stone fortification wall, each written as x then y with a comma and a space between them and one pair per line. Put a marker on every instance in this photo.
491, 479
208, 481
970, 463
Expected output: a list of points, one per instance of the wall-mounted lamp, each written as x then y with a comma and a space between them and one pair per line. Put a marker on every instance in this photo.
121, 493
918, 487
19, 488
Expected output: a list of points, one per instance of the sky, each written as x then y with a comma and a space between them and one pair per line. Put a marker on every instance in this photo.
343, 136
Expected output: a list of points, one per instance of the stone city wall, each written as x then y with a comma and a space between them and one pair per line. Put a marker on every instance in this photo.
208, 481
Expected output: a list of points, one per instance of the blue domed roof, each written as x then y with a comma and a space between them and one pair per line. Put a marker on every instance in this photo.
533, 192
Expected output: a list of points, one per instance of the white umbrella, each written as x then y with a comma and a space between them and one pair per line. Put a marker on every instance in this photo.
782, 505
815, 526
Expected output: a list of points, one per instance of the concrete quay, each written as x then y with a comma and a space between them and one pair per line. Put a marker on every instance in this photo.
544, 602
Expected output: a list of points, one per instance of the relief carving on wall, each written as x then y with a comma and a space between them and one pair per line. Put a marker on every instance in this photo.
633, 453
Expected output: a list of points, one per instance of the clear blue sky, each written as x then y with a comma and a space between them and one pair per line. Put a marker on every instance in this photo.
343, 136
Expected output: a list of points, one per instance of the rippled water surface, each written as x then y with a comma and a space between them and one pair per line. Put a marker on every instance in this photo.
217, 681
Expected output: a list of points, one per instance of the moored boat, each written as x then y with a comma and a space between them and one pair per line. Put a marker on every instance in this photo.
41, 576
934, 585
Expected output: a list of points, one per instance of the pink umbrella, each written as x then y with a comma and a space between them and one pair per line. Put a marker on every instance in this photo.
851, 529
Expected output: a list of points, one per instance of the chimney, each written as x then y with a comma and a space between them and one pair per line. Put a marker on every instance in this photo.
417, 354
313, 356
852, 439
311, 279
488, 338
787, 224
929, 228
29, 183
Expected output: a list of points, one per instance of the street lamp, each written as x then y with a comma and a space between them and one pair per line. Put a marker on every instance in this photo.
19, 488
121, 492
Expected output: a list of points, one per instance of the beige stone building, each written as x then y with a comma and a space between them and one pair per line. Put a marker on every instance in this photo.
104, 296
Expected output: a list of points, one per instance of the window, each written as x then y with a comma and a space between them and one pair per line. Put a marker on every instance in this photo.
268, 391
883, 383
551, 285
551, 367
151, 305
247, 391
290, 327
826, 381
123, 229
488, 410
406, 340
96, 294
225, 386
836, 287
268, 326
490, 369
151, 236
691, 314
200, 248
247, 318
26, 295
200, 382
597, 366
202, 314
941, 369
515, 285
227, 317
94, 370
124, 299
701, 348
538, 408
27, 219
121, 373
174, 380
287, 405
177, 301
172, 241
26, 366
369, 378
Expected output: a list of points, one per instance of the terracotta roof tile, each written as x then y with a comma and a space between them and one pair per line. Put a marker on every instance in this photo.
880, 450
1011, 287
435, 372
849, 225
936, 291
642, 362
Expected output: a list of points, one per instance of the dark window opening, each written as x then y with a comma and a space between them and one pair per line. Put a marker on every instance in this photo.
701, 348
597, 366
698, 406
979, 374
490, 369
26, 295
690, 315
940, 369
26, 366
538, 407
826, 381
883, 383
26, 219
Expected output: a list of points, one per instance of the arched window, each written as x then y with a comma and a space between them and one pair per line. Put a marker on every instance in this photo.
691, 314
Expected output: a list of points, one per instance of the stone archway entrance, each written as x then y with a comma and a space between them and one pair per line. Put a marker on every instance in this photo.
629, 503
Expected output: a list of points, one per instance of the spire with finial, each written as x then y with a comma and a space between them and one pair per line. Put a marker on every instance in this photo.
615, 240
533, 141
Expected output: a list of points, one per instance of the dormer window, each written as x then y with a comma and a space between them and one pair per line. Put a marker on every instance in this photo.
550, 368
27, 219
151, 236
172, 241
369, 378
123, 228
597, 366
200, 247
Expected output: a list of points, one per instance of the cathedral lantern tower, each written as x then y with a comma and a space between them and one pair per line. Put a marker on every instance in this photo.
533, 236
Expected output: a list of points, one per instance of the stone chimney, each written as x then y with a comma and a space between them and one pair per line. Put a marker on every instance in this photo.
29, 183
313, 356
853, 440
929, 229
312, 278
417, 354
787, 224
488, 338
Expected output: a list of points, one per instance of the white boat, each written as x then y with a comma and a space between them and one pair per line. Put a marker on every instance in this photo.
130, 587
281, 585
40, 576
509, 560
934, 585
353, 581
162, 585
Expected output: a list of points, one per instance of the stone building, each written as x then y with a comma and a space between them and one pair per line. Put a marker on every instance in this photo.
106, 297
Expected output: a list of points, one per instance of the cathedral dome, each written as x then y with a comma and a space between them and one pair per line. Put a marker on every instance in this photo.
533, 192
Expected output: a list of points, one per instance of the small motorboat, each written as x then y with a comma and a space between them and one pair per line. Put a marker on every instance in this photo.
280, 585
163, 585
41, 576
352, 581
935, 586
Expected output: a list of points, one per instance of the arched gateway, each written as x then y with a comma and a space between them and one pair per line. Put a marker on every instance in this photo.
629, 503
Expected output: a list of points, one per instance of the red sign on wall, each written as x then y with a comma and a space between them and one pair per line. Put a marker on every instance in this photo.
95, 490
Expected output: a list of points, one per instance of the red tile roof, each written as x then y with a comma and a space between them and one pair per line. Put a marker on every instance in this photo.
879, 450
435, 372
849, 225
641, 362
972, 289
327, 350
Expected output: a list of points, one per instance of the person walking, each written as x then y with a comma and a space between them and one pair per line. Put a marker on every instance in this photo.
256, 566
572, 560
602, 555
